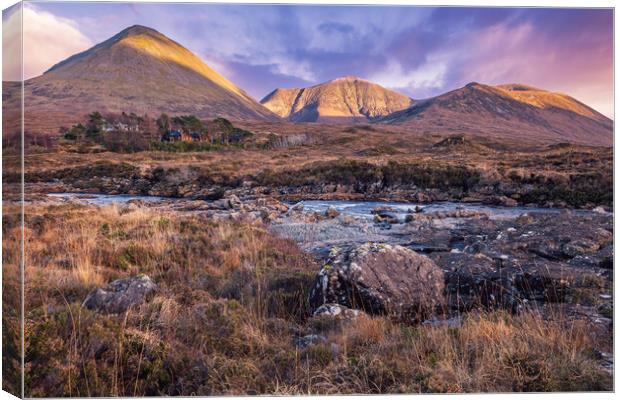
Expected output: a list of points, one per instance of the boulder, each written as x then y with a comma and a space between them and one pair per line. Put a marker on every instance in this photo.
234, 201
382, 209
309, 340
604, 258
222, 204
298, 207
120, 294
336, 310
422, 197
409, 218
579, 247
386, 216
380, 279
503, 201
331, 212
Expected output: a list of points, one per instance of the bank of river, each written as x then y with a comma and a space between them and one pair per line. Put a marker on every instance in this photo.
357, 209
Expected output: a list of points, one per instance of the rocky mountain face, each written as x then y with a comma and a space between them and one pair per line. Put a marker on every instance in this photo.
138, 70
511, 111
346, 99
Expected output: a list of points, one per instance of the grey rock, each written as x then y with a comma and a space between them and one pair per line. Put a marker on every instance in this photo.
331, 212
309, 340
380, 279
386, 216
336, 310
222, 204
120, 294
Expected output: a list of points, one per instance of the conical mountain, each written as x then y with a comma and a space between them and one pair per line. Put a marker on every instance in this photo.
513, 111
138, 70
346, 99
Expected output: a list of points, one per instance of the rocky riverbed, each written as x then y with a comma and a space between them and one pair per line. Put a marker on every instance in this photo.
489, 256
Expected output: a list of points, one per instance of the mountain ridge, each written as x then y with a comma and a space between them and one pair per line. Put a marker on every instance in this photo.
514, 110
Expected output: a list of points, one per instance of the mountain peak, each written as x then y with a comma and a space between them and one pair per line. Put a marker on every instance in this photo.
143, 71
474, 85
357, 100
130, 33
348, 78
137, 30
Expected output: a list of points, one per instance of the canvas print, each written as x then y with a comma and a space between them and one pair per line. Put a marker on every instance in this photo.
251, 199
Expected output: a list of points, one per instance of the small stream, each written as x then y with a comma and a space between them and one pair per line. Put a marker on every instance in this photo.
106, 199
364, 209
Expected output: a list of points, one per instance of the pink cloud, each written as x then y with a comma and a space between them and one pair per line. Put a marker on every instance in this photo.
517, 54
48, 39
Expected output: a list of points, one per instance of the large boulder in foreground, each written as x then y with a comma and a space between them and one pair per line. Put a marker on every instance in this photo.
380, 279
120, 294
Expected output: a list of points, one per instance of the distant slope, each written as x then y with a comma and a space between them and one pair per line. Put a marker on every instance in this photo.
138, 70
513, 111
346, 99
544, 99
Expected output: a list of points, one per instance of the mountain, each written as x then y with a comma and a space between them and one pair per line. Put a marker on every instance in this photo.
138, 70
346, 99
513, 111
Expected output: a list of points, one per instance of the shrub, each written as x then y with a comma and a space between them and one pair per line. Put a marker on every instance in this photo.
76, 132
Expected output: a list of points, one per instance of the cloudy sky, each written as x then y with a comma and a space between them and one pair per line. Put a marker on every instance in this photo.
420, 51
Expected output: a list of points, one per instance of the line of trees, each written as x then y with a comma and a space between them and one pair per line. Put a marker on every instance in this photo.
120, 133
132, 132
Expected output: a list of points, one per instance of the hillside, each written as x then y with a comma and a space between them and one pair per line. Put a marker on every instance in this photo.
138, 70
346, 99
508, 111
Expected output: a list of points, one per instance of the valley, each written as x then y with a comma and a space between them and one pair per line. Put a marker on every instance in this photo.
182, 238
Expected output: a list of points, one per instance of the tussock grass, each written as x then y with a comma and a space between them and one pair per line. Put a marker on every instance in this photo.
232, 299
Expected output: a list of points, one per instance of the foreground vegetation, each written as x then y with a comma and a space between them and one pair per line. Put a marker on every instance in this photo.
231, 301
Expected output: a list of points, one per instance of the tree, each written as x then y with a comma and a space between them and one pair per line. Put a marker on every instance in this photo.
76, 132
190, 123
95, 125
225, 129
163, 123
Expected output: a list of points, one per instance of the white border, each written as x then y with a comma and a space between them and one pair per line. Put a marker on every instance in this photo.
475, 3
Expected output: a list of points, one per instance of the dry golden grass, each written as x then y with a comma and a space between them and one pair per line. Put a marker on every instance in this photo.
232, 299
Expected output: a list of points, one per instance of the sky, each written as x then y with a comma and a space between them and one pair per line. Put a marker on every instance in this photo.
419, 51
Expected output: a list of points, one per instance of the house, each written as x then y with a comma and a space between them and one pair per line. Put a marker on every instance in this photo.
186, 137
121, 126
193, 136
171, 136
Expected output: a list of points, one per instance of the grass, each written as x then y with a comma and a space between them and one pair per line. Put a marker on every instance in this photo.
321, 161
232, 299
185, 147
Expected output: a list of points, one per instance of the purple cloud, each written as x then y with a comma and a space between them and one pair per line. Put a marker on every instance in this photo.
421, 51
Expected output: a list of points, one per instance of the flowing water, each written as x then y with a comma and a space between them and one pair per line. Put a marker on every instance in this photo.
105, 199
364, 209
